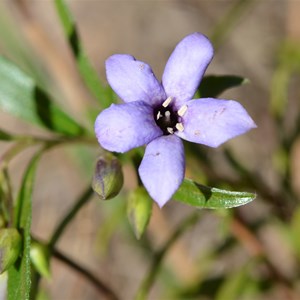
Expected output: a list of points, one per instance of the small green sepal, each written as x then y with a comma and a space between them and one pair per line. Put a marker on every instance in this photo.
10, 247
39, 255
139, 209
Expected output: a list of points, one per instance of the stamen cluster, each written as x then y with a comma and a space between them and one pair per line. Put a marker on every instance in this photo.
167, 118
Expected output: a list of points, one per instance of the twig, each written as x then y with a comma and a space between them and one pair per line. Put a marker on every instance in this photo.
102, 287
58, 232
84, 198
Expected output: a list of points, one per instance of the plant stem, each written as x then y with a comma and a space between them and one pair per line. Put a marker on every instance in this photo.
148, 281
58, 232
102, 287
226, 23
69, 216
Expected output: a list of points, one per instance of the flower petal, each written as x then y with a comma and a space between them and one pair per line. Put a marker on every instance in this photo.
122, 127
133, 80
162, 168
186, 66
212, 121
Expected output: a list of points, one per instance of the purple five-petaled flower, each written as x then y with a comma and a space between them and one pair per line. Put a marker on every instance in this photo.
159, 114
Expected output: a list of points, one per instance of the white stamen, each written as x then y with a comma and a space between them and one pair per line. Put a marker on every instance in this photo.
167, 114
179, 127
182, 110
167, 102
159, 115
170, 130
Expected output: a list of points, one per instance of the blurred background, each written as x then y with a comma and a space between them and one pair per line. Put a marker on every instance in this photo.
253, 250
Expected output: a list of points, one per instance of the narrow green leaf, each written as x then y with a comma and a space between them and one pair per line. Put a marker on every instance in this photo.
103, 94
19, 281
21, 97
201, 196
139, 210
213, 86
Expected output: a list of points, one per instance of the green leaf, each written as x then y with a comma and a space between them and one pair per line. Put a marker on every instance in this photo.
201, 196
139, 210
103, 94
21, 97
19, 281
213, 86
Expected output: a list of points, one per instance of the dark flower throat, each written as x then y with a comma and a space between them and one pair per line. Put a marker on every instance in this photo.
166, 119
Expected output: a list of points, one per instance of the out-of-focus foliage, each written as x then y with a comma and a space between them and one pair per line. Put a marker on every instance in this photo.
27, 259
19, 275
21, 97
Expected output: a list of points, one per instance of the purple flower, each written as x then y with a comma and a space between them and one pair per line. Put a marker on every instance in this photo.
159, 114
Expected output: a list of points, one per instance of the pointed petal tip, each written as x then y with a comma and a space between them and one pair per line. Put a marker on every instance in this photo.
161, 202
162, 168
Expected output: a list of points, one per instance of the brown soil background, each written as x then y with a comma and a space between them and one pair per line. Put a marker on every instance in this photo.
148, 30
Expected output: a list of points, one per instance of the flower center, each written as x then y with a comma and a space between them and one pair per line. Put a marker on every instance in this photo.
167, 118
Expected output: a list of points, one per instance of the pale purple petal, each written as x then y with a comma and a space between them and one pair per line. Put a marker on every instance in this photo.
133, 80
122, 127
162, 168
186, 66
212, 121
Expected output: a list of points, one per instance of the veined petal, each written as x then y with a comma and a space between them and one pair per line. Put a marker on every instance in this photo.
122, 127
162, 168
212, 121
186, 66
133, 80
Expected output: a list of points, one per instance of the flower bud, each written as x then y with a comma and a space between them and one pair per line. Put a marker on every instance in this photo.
10, 247
39, 256
108, 177
139, 209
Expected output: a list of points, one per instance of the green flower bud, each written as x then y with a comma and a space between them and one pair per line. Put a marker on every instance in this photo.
139, 209
39, 256
10, 247
108, 177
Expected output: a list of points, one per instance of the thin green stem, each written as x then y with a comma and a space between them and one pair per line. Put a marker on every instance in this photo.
283, 209
148, 281
84, 198
227, 22
18, 147
23, 142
